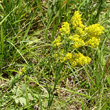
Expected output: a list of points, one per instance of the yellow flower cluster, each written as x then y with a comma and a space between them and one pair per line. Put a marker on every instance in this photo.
76, 20
81, 36
65, 28
56, 42
76, 59
94, 30
93, 42
78, 42
23, 70
81, 59
68, 56
71, 37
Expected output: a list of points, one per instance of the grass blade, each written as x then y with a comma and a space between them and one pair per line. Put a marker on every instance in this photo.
1, 50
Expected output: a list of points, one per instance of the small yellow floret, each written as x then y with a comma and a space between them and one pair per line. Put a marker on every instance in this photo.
65, 28
80, 31
68, 56
62, 59
74, 63
76, 36
23, 70
71, 37
20, 73
56, 42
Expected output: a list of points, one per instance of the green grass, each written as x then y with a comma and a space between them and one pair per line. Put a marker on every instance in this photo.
27, 29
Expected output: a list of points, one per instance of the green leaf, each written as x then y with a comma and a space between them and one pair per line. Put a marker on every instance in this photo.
1, 50
17, 100
108, 79
23, 87
30, 96
101, 57
22, 100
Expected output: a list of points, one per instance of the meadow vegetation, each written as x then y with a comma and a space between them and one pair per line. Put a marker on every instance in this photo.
54, 55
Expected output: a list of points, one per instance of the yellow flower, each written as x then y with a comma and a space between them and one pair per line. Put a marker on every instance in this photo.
93, 42
79, 37
74, 63
94, 30
76, 20
68, 56
81, 59
75, 59
76, 36
78, 42
55, 56
20, 73
71, 37
62, 59
56, 42
23, 70
88, 59
80, 31
65, 28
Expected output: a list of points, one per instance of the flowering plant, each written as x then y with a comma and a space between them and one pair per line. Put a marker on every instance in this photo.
72, 37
